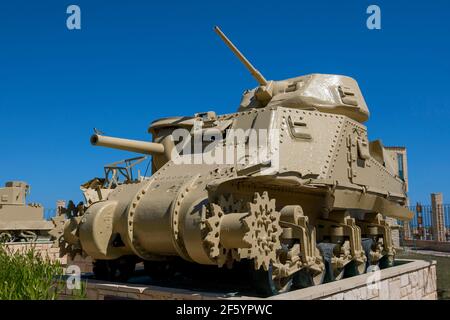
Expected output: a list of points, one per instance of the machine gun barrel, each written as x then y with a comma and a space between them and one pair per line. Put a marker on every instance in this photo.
255, 73
143, 147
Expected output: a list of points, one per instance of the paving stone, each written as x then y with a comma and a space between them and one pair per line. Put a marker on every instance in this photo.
430, 283
339, 296
419, 293
363, 293
433, 272
350, 295
404, 292
413, 278
409, 289
355, 294
384, 290
420, 278
404, 280
394, 290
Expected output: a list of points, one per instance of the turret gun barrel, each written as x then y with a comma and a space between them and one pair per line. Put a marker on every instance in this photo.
143, 147
255, 73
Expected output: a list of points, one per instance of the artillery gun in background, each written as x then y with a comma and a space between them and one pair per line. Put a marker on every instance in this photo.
311, 210
20, 221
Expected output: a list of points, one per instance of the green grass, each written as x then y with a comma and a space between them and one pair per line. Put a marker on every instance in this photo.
29, 276
442, 271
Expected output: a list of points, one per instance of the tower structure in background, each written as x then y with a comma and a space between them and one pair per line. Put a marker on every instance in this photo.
438, 220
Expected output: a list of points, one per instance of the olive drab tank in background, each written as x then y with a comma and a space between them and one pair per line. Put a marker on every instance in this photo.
20, 221
308, 205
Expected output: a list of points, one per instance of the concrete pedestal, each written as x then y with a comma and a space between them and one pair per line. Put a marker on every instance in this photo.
409, 279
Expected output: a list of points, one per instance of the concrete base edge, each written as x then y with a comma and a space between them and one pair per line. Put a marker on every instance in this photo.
408, 280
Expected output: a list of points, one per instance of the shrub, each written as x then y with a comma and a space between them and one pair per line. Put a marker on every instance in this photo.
29, 276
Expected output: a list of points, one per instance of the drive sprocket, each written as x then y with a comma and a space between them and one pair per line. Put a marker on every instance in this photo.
264, 232
259, 227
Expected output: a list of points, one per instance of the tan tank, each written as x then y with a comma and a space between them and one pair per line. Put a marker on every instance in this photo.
20, 221
289, 185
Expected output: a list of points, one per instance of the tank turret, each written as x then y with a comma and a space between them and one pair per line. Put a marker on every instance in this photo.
323, 92
14, 193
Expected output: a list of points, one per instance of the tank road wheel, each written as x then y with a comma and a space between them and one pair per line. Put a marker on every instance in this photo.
303, 259
307, 278
377, 255
104, 269
159, 270
6, 237
334, 266
386, 262
126, 267
355, 268
28, 236
114, 270
378, 245
337, 274
268, 284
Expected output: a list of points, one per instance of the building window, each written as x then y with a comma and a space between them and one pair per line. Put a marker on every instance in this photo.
401, 167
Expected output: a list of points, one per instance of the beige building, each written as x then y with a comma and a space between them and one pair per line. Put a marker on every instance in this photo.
399, 162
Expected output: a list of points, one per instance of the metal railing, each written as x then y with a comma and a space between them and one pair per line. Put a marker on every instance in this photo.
421, 226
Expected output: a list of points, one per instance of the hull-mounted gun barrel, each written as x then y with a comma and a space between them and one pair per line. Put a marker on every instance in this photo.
143, 147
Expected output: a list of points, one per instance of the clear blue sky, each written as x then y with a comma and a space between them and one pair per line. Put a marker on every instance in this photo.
134, 61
